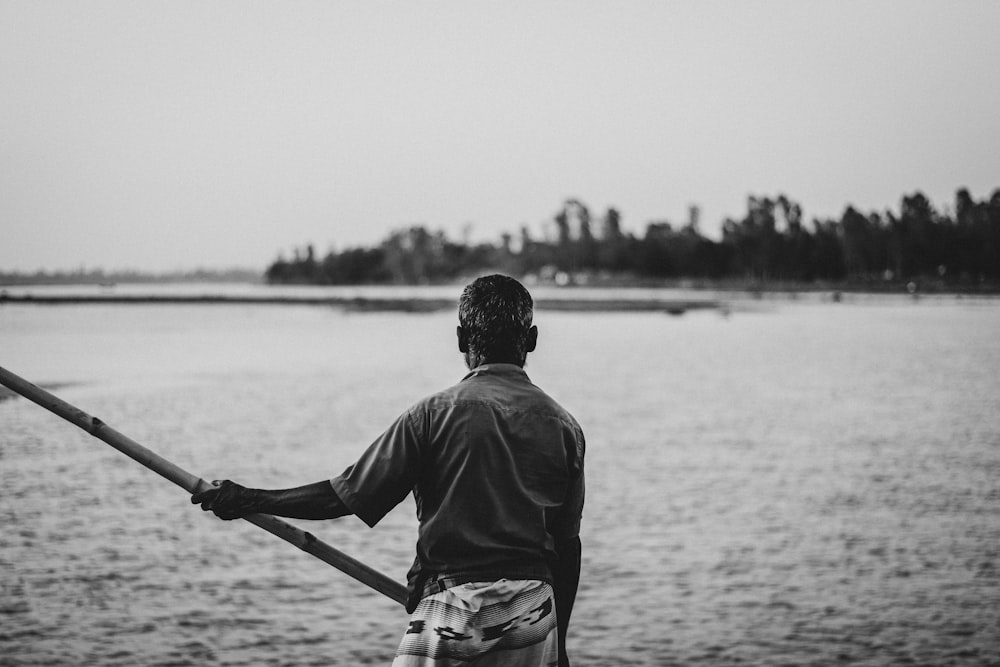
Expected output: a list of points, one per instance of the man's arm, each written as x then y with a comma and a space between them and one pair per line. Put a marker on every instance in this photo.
229, 500
375, 484
567, 579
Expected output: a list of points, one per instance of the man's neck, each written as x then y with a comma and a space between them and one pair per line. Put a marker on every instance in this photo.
473, 360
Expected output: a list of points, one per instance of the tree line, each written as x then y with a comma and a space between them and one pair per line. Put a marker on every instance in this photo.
769, 244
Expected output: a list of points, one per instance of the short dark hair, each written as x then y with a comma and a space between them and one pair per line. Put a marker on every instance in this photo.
496, 312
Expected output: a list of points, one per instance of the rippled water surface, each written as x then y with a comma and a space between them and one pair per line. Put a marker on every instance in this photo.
803, 484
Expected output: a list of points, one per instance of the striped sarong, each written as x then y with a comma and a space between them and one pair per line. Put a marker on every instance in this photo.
505, 622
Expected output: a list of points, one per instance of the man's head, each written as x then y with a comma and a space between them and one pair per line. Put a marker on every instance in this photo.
494, 322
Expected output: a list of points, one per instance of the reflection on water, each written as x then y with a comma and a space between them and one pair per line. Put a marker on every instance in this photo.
812, 485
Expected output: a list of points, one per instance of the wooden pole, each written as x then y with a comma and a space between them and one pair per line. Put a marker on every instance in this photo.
193, 484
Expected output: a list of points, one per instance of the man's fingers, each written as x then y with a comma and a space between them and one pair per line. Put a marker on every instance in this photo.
223, 498
204, 496
208, 495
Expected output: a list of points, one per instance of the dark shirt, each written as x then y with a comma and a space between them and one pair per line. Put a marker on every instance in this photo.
496, 469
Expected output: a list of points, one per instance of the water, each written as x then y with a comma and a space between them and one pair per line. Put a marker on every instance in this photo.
805, 484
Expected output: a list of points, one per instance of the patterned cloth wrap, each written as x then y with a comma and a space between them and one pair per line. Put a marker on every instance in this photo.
505, 622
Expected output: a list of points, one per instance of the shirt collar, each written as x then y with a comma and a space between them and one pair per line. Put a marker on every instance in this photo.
509, 370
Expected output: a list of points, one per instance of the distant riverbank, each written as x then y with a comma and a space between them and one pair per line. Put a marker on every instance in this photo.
432, 298
369, 298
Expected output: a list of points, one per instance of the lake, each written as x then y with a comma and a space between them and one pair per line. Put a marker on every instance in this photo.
794, 483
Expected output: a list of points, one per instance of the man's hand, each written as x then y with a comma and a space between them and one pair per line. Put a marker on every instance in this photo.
227, 499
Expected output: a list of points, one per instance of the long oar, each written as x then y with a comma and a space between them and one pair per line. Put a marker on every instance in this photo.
192, 484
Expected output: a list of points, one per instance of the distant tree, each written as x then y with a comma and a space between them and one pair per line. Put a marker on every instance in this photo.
917, 228
562, 225
415, 255
611, 226
797, 243
827, 258
356, 266
302, 269
754, 240
859, 245
613, 250
654, 257
990, 256
584, 253
978, 236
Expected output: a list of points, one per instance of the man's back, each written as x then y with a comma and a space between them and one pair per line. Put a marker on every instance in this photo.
495, 466
499, 457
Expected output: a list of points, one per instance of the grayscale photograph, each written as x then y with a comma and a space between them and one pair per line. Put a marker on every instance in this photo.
500, 334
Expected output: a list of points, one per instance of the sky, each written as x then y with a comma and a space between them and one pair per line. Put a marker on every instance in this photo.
174, 135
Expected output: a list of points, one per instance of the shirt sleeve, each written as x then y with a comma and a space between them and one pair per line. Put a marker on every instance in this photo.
567, 523
386, 472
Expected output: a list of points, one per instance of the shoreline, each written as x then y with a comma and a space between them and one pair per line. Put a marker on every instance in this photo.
414, 300
369, 303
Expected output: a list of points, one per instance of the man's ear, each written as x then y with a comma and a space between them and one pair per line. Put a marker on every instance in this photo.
463, 340
532, 339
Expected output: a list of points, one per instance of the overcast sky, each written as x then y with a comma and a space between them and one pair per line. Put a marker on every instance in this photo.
172, 135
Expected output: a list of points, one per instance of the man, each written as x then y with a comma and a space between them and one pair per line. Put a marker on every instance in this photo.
496, 469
